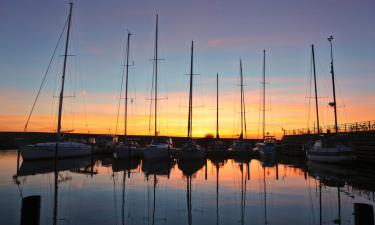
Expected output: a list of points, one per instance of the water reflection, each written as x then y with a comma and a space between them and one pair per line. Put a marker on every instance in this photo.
101, 190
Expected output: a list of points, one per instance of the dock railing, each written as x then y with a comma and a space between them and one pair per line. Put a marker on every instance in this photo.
342, 128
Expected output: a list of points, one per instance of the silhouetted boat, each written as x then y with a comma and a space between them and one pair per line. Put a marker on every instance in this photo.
57, 149
190, 150
240, 145
329, 148
216, 147
266, 148
160, 147
127, 148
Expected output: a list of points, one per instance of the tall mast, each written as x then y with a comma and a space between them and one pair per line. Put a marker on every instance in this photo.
242, 101
58, 132
333, 85
217, 106
63, 75
316, 90
190, 114
264, 93
156, 75
126, 88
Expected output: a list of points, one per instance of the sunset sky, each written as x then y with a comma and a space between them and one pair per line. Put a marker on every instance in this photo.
223, 31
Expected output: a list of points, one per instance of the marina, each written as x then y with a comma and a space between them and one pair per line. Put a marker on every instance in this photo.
187, 113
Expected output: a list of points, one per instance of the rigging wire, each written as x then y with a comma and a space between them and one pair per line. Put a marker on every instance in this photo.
119, 99
151, 95
45, 75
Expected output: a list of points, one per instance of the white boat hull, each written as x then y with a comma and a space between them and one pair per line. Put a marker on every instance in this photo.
338, 154
47, 150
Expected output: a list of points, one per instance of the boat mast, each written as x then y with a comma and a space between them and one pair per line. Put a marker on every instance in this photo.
242, 101
333, 85
217, 106
264, 93
63, 75
316, 90
190, 114
156, 75
126, 88
58, 132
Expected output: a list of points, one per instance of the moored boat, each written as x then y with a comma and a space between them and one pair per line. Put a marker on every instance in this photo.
266, 148
329, 148
216, 147
241, 146
191, 150
47, 150
160, 147
58, 149
128, 148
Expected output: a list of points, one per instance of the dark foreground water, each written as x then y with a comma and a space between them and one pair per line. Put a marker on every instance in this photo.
103, 191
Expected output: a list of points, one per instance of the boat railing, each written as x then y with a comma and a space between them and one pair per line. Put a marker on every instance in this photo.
363, 126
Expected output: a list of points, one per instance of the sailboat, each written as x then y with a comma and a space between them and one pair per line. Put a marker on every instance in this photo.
329, 148
267, 146
217, 144
160, 147
241, 145
58, 149
191, 150
128, 148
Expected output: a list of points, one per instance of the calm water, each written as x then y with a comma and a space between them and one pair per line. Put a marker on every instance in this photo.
103, 191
